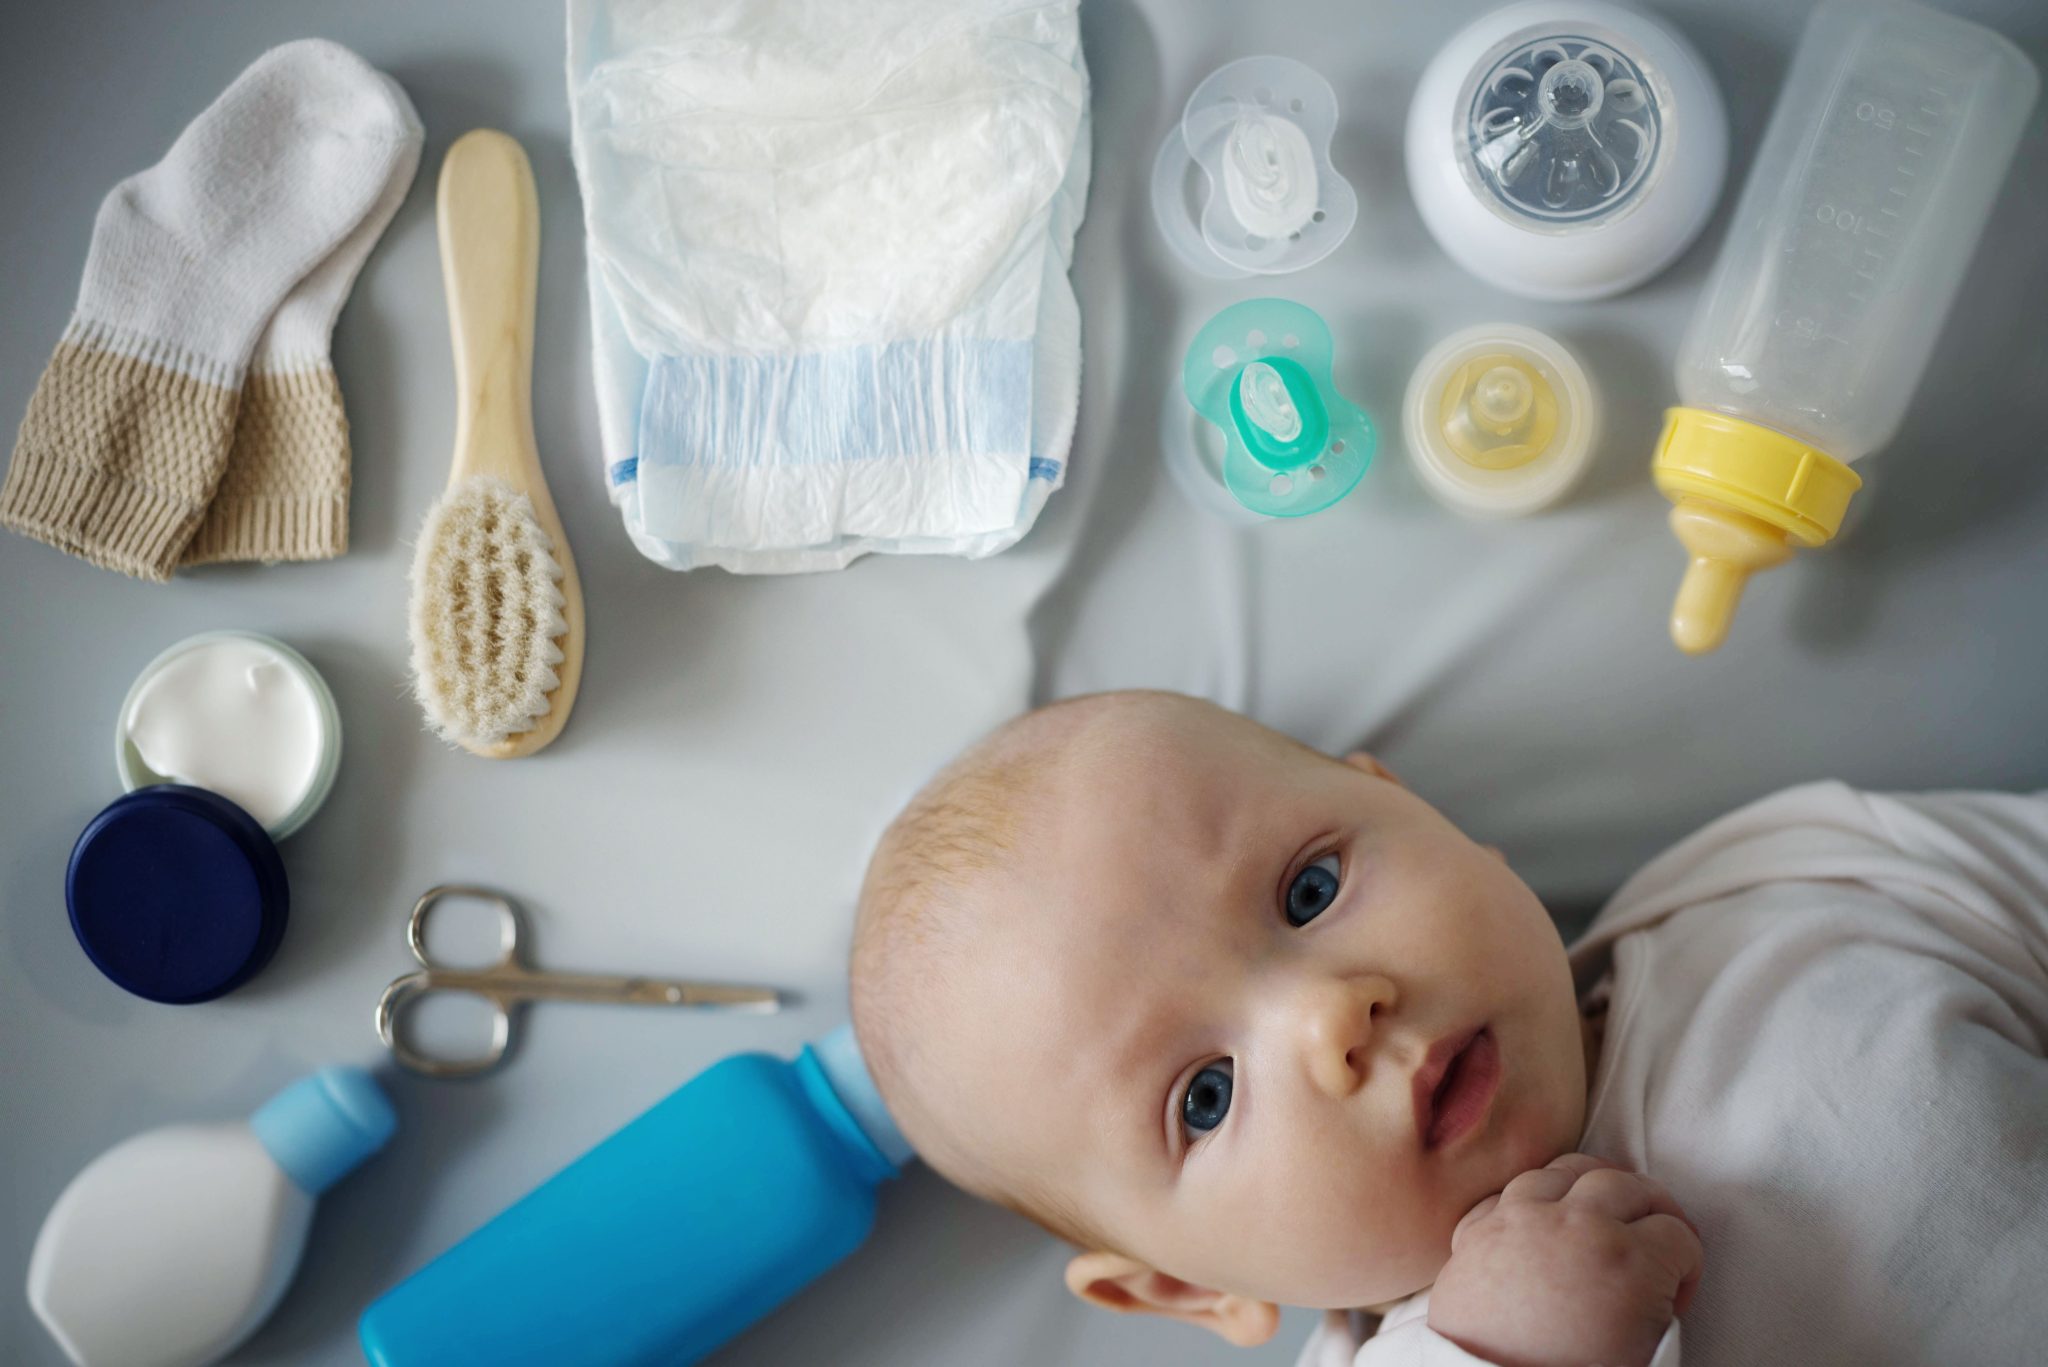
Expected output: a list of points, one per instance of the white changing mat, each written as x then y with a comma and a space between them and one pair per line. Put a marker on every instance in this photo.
828, 247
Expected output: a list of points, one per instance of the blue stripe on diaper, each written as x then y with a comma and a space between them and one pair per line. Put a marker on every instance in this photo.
903, 399
628, 470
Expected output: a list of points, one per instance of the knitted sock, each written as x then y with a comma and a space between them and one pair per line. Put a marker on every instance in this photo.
284, 493
130, 425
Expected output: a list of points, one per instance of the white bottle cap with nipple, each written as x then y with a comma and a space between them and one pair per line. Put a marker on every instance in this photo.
1566, 149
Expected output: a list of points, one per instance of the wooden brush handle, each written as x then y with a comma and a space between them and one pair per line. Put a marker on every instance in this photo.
490, 255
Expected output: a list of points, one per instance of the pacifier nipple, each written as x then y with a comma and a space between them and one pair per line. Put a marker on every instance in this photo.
1266, 403
1269, 175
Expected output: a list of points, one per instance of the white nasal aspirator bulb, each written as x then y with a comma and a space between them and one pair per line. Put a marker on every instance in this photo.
170, 1248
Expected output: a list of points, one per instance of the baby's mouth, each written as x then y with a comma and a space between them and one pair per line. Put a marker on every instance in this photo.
1455, 1086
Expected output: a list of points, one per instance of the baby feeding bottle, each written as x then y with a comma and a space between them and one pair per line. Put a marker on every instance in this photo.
169, 1249
1873, 182
669, 1237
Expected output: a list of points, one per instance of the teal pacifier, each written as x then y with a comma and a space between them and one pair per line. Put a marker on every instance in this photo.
1260, 371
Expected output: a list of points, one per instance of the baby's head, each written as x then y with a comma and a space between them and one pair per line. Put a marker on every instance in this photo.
1250, 1025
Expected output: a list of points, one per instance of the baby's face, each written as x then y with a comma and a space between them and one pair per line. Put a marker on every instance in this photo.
1267, 1021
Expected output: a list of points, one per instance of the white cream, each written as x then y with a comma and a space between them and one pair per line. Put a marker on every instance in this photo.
234, 716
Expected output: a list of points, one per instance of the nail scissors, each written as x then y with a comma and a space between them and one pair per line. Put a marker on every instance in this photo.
510, 982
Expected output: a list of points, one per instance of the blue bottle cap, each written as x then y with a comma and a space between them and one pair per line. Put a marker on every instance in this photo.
840, 1057
176, 894
323, 1126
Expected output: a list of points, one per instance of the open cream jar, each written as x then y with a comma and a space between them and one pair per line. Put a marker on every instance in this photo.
239, 714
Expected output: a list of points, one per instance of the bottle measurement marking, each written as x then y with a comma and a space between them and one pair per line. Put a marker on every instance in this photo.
1907, 137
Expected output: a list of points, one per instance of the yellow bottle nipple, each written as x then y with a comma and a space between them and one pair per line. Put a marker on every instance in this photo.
1726, 547
1746, 497
1498, 412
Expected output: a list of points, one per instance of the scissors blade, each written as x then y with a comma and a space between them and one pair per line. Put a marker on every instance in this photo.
731, 997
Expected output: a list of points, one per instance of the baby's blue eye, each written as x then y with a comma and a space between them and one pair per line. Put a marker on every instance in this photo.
1207, 1100
1312, 891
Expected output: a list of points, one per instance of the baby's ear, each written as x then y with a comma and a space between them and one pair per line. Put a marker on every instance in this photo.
1358, 759
1128, 1286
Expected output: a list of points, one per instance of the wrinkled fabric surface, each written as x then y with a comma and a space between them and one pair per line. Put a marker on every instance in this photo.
1403, 1338
828, 250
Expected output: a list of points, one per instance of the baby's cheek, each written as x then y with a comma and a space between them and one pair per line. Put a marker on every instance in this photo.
1508, 939
1363, 1236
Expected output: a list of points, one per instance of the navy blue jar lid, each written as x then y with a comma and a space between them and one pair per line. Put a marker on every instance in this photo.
176, 894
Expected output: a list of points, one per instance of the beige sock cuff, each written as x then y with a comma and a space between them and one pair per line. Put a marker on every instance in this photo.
116, 459
284, 495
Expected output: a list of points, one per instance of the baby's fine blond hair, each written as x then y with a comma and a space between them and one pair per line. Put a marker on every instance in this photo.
918, 909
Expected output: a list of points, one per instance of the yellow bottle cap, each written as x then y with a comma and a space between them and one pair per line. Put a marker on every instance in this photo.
1745, 493
1499, 420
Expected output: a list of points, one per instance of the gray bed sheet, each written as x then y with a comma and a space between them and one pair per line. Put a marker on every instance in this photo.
739, 742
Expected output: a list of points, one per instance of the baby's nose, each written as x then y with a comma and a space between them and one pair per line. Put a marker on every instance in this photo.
1338, 1020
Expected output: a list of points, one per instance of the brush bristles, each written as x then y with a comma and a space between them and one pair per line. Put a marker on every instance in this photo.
486, 614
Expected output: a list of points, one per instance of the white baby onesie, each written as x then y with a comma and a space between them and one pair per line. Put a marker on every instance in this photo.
1826, 1036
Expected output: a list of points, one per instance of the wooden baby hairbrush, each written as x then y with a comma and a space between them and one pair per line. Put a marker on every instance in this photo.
496, 609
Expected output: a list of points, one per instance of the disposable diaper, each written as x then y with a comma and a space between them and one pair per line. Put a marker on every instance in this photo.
828, 247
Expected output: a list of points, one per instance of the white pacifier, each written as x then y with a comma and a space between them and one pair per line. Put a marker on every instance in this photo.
1566, 149
1259, 129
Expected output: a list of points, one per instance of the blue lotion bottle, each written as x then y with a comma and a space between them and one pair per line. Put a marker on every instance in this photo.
668, 1238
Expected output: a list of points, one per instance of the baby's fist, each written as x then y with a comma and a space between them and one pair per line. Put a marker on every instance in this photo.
1572, 1264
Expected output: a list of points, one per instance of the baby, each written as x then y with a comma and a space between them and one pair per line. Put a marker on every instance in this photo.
1251, 1026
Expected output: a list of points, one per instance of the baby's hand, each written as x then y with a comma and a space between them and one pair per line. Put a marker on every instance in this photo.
1576, 1263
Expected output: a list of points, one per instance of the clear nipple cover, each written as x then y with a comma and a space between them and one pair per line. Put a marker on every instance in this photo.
1563, 129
